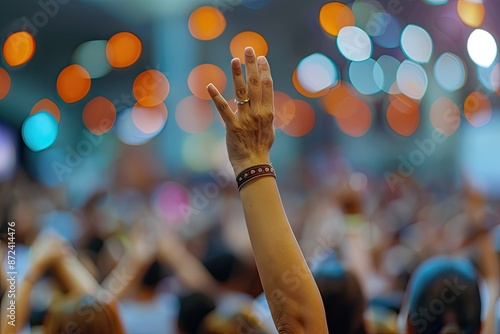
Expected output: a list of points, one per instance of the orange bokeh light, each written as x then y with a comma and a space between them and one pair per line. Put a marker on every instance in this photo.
477, 109
204, 74
48, 106
333, 16
303, 121
73, 83
123, 49
206, 23
358, 120
194, 115
403, 115
4, 83
304, 91
150, 119
284, 111
19, 48
99, 115
248, 38
445, 116
470, 12
151, 88
332, 102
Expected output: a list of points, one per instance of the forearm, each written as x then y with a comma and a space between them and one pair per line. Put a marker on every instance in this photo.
124, 276
75, 277
188, 269
285, 276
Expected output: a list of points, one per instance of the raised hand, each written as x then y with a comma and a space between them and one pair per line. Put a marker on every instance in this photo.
250, 129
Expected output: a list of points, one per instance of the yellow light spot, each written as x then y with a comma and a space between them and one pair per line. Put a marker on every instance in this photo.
248, 38
334, 16
151, 88
206, 23
204, 74
403, 115
19, 48
123, 49
471, 12
73, 83
477, 109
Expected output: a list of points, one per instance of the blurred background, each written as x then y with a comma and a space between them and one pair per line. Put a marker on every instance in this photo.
386, 108
366, 79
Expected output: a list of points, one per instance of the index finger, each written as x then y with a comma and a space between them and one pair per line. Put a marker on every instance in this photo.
221, 105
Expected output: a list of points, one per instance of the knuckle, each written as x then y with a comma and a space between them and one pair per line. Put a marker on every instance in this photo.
250, 60
267, 82
222, 106
254, 81
241, 93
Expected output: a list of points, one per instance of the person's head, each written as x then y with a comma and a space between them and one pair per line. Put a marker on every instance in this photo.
192, 310
86, 315
342, 297
226, 268
443, 297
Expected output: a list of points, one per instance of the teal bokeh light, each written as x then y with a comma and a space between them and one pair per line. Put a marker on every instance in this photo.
40, 131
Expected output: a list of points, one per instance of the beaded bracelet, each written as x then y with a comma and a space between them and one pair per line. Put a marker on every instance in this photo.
253, 172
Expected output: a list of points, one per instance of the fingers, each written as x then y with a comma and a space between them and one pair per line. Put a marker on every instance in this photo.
267, 83
221, 105
253, 77
240, 86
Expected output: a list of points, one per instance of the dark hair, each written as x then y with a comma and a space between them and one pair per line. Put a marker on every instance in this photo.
155, 273
193, 309
342, 297
222, 264
444, 292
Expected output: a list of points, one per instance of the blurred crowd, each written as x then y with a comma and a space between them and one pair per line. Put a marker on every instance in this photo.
383, 256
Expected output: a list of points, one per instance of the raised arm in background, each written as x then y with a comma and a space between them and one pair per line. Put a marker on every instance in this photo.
296, 308
46, 250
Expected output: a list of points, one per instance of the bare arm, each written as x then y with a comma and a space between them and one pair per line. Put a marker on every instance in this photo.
296, 308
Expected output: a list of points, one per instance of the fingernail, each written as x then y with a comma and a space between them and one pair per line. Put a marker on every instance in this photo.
248, 51
236, 62
262, 60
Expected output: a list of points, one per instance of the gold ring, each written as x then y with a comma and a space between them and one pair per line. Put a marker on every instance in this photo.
242, 101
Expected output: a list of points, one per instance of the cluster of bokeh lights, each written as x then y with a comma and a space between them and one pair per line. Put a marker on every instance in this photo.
387, 61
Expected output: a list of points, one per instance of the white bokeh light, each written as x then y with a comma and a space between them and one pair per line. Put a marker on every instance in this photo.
412, 80
417, 43
450, 72
354, 43
482, 48
317, 72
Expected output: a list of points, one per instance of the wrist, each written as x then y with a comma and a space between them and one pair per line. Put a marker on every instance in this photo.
253, 161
